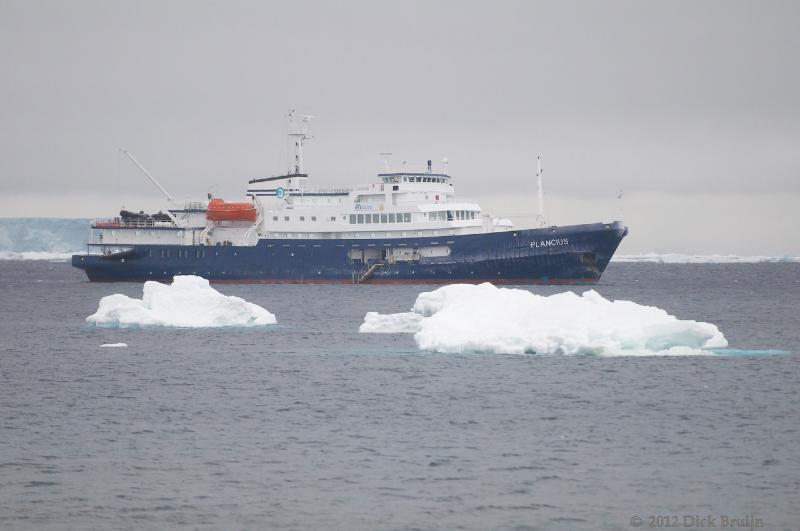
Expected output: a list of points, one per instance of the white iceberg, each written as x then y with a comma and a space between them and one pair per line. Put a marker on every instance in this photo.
464, 318
189, 302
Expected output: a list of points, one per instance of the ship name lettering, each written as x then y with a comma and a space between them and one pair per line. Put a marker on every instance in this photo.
555, 242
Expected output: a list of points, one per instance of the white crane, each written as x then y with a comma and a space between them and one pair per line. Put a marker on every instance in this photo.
156, 183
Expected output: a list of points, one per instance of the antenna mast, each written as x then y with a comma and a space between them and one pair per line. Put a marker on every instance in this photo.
540, 220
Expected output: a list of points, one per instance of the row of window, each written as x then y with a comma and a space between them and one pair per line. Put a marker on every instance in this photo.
180, 253
414, 179
302, 218
380, 218
404, 217
451, 215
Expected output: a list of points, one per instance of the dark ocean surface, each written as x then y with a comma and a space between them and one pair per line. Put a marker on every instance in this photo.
310, 425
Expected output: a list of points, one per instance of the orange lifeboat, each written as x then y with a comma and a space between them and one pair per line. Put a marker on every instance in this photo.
219, 210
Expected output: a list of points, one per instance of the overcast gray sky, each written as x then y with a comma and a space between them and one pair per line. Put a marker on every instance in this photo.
690, 108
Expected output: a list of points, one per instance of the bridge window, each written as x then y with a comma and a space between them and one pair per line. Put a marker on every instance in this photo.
376, 218
449, 215
367, 218
360, 218
352, 219
384, 218
407, 217
391, 218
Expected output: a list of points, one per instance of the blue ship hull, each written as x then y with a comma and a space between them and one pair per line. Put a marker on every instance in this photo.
570, 254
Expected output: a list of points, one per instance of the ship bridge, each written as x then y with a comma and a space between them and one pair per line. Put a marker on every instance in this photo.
414, 177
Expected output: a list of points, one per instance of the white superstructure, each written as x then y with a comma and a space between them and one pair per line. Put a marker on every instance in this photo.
399, 205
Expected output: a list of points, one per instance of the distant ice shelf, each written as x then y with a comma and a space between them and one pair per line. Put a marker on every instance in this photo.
37, 255
674, 258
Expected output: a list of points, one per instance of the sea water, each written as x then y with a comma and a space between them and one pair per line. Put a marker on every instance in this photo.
308, 424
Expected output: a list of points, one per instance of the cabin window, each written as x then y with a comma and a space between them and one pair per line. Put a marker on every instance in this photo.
407, 217
384, 218
313, 218
449, 215
286, 218
302, 218
333, 218
376, 218
405, 179
367, 218
274, 218
360, 218
395, 188
391, 218
352, 219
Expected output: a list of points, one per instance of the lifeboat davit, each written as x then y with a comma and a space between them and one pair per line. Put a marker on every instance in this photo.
219, 210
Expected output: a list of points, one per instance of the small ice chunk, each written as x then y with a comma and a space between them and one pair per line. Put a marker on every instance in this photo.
188, 302
483, 318
114, 345
393, 323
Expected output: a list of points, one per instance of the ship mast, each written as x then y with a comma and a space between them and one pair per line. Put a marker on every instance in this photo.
540, 219
299, 135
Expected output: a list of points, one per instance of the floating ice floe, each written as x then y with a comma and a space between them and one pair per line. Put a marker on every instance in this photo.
673, 258
464, 318
114, 345
189, 302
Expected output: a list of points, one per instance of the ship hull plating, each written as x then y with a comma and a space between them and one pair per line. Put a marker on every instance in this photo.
571, 254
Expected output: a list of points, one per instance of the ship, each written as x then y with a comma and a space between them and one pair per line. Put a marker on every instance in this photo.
407, 226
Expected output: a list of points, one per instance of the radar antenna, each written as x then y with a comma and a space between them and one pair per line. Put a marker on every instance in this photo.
386, 155
540, 219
